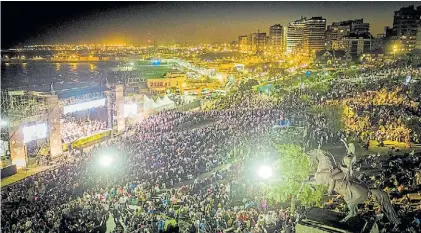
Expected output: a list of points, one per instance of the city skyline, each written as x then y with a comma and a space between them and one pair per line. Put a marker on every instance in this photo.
173, 22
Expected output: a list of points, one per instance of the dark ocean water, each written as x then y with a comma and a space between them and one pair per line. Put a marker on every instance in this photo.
38, 76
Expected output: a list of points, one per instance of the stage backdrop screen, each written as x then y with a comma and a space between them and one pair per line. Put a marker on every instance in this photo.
84, 106
34, 132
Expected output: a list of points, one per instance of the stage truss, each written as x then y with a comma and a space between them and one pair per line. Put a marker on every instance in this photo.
19, 106
83, 98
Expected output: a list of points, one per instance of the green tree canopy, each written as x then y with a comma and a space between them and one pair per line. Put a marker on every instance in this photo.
292, 168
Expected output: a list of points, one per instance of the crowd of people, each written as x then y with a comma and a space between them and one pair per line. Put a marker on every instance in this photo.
169, 177
153, 161
384, 107
73, 128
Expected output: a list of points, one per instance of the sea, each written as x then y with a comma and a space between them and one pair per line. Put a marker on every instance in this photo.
39, 75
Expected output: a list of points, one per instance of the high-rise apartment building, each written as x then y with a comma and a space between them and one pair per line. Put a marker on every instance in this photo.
254, 42
338, 30
244, 43
259, 41
405, 25
356, 45
276, 37
295, 35
314, 35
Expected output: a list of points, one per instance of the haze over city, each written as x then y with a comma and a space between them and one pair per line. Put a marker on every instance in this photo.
169, 22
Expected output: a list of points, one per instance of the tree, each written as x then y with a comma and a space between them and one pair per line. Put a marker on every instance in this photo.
291, 169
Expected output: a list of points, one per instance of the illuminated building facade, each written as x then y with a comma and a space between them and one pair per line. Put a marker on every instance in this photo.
170, 80
338, 30
276, 37
259, 41
356, 45
295, 35
244, 43
405, 25
314, 35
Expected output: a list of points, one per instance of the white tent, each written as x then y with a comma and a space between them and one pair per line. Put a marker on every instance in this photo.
159, 102
148, 103
169, 103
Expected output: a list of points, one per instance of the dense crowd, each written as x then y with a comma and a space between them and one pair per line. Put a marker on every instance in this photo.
383, 108
177, 172
153, 161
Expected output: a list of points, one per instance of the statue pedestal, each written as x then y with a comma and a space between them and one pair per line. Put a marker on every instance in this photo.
323, 220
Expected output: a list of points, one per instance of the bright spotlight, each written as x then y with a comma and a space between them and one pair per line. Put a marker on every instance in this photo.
3, 123
265, 172
106, 161
132, 63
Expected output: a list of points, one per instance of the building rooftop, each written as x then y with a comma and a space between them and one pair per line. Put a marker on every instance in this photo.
336, 53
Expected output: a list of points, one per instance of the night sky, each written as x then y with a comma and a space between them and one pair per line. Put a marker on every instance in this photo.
168, 22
